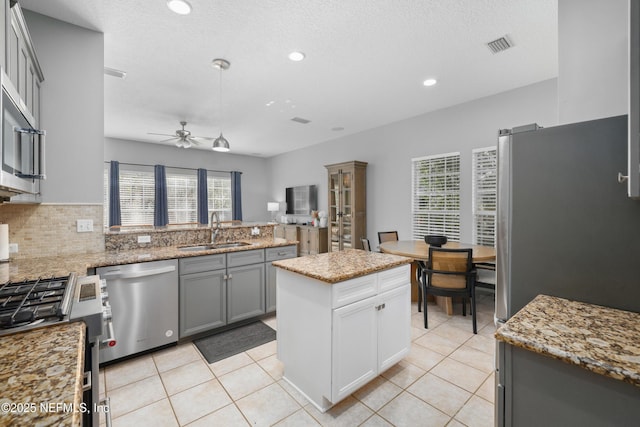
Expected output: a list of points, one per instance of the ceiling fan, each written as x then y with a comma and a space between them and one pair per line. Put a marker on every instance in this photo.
183, 137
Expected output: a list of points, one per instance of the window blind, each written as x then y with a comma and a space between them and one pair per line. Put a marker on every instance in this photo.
182, 196
484, 196
220, 196
105, 203
436, 196
137, 195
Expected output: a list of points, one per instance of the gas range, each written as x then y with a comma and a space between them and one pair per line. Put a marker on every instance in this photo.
36, 303
48, 301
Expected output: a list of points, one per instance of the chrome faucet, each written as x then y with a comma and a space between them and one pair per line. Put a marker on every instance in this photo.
214, 231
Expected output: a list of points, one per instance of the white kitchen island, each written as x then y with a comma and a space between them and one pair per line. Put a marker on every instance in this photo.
343, 319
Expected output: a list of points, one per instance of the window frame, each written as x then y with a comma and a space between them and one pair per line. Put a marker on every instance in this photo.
223, 178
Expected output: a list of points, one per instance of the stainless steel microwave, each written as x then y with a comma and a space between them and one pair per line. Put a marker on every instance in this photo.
21, 147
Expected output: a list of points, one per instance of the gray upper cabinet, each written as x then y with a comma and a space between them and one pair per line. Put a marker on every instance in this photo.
632, 176
4, 7
21, 64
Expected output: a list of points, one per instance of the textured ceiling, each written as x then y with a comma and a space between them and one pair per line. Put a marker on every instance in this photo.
366, 60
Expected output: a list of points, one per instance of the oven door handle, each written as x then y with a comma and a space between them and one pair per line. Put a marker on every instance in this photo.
135, 274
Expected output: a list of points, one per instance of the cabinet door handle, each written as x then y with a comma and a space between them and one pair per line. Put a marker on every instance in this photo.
230, 276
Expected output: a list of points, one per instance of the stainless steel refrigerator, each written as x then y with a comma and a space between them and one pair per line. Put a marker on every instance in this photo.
565, 226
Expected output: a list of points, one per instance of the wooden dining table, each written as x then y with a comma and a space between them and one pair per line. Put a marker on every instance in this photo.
419, 251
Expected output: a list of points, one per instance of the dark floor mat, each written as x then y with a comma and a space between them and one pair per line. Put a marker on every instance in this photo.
228, 343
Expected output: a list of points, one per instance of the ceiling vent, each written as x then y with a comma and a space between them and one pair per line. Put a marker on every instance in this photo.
300, 120
499, 45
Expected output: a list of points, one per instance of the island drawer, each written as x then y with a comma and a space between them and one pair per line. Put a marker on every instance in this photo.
394, 278
282, 252
353, 290
198, 264
235, 259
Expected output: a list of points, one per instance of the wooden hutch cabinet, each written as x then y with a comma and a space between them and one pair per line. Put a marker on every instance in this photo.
347, 205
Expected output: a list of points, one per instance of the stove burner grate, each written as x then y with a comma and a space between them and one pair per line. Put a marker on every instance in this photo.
23, 303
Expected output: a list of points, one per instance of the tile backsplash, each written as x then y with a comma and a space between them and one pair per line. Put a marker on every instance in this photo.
50, 229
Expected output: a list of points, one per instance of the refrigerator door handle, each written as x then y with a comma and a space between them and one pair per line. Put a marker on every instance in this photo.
503, 225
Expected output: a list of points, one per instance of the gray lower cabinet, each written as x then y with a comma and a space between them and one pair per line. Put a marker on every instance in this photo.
216, 290
203, 293
245, 292
203, 299
274, 254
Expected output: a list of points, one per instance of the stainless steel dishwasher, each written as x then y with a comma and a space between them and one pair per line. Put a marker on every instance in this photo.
144, 306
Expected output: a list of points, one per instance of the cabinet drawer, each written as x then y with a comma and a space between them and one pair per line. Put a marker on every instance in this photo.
393, 278
254, 256
283, 252
202, 263
353, 290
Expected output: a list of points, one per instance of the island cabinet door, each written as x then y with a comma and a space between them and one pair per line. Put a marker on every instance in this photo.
394, 326
354, 347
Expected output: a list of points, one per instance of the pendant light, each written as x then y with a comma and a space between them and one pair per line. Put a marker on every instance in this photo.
220, 143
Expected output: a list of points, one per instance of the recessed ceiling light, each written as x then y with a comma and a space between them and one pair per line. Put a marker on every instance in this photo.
337, 129
181, 7
296, 56
430, 82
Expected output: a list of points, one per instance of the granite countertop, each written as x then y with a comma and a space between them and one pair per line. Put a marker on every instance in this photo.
40, 370
603, 340
32, 268
334, 267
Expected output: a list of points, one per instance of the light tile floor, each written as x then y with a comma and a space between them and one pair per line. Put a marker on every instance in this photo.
446, 380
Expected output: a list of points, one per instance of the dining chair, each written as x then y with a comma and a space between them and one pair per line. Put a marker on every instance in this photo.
365, 244
387, 236
450, 273
486, 275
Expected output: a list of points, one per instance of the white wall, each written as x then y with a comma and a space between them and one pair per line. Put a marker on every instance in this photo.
592, 59
255, 176
389, 150
72, 109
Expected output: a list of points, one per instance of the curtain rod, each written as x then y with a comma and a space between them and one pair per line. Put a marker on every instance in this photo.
172, 167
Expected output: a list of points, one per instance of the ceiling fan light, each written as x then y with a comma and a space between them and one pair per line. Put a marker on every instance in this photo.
186, 144
181, 7
220, 144
179, 143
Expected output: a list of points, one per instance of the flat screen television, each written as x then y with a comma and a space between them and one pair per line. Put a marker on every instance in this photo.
302, 200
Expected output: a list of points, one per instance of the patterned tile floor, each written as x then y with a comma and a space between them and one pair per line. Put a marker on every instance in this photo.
446, 380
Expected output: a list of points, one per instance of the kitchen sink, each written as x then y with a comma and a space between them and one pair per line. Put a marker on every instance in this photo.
231, 245
196, 248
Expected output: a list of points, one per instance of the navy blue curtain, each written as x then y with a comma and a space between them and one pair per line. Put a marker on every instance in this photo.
114, 194
236, 195
161, 211
203, 197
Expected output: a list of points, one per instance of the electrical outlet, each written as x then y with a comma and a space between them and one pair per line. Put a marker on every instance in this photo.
255, 231
84, 225
144, 239
13, 248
